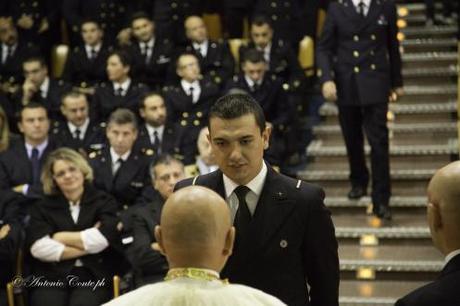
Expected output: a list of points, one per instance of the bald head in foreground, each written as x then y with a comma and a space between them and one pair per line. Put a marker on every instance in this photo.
444, 220
196, 237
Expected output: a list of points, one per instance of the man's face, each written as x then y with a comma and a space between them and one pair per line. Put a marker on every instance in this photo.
8, 33
238, 146
142, 29
188, 68
261, 35
195, 29
35, 72
75, 110
121, 137
255, 71
34, 124
166, 176
154, 111
91, 33
116, 72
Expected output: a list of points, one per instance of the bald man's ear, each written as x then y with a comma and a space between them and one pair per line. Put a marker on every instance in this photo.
229, 240
434, 216
159, 240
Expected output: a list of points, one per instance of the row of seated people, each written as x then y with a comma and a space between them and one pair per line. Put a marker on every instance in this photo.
72, 237
187, 102
40, 20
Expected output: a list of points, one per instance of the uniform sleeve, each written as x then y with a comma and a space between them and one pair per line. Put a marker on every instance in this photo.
47, 249
93, 241
327, 45
393, 50
321, 260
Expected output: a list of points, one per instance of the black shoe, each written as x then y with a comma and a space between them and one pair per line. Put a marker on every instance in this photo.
383, 212
356, 192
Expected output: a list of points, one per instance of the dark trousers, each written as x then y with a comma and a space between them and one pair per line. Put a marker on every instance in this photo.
372, 119
72, 295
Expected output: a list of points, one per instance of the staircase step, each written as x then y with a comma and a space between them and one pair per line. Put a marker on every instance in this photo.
449, 71
429, 44
375, 293
317, 149
330, 109
413, 20
429, 59
421, 31
395, 202
343, 175
415, 90
392, 265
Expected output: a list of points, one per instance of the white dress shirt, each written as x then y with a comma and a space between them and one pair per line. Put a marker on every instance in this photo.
115, 157
49, 250
251, 82
149, 44
96, 48
367, 5
82, 128
266, 51
203, 168
203, 47
45, 87
124, 86
196, 89
252, 197
5, 51
151, 130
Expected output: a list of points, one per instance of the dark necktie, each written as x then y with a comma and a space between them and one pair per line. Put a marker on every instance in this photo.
119, 91
361, 7
156, 142
255, 87
243, 215
9, 53
77, 134
120, 162
190, 93
35, 166
92, 53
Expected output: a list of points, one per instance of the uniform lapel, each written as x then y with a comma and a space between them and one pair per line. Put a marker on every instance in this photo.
374, 10
127, 170
106, 170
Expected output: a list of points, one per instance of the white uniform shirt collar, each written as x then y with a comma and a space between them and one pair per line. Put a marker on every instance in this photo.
114, 156
41, 147
124, 85
203, 47
44, 88
367, 5
450, 256
196, 89
96, 48
255, 185
251, 82
159, 129
82, 128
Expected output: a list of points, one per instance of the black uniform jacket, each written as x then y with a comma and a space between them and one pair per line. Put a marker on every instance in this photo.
291, 242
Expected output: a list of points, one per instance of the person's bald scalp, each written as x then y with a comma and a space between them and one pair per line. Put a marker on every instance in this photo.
193, 218
444, 189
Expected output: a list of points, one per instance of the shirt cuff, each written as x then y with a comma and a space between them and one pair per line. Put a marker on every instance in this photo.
93, 240
47, 249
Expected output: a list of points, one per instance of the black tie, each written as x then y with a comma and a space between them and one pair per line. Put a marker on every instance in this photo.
190, 93
119, 91
156, 142
77, 134
243, 215
35, 166
361, 6
255, 87
9, 52
120, 162
92, 53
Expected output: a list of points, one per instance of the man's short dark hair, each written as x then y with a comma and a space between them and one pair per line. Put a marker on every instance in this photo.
260, 20
148, 95
73, 94
122, 116
139, 15
31, 105
35, 58
234, 106
124, 57
163, 159
253, 56
90, 20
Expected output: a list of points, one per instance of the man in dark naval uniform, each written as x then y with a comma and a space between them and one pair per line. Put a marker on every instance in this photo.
78, 131
360, 67
85, 66
188, 104
216, 60
284, 233
151, 54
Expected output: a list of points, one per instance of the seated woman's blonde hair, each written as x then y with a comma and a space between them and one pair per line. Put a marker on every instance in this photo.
66, 154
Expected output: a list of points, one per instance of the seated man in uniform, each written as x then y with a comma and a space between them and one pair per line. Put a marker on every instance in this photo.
196, 236
78, 131
149, 265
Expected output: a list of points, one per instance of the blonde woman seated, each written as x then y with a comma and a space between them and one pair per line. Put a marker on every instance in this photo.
71, 236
